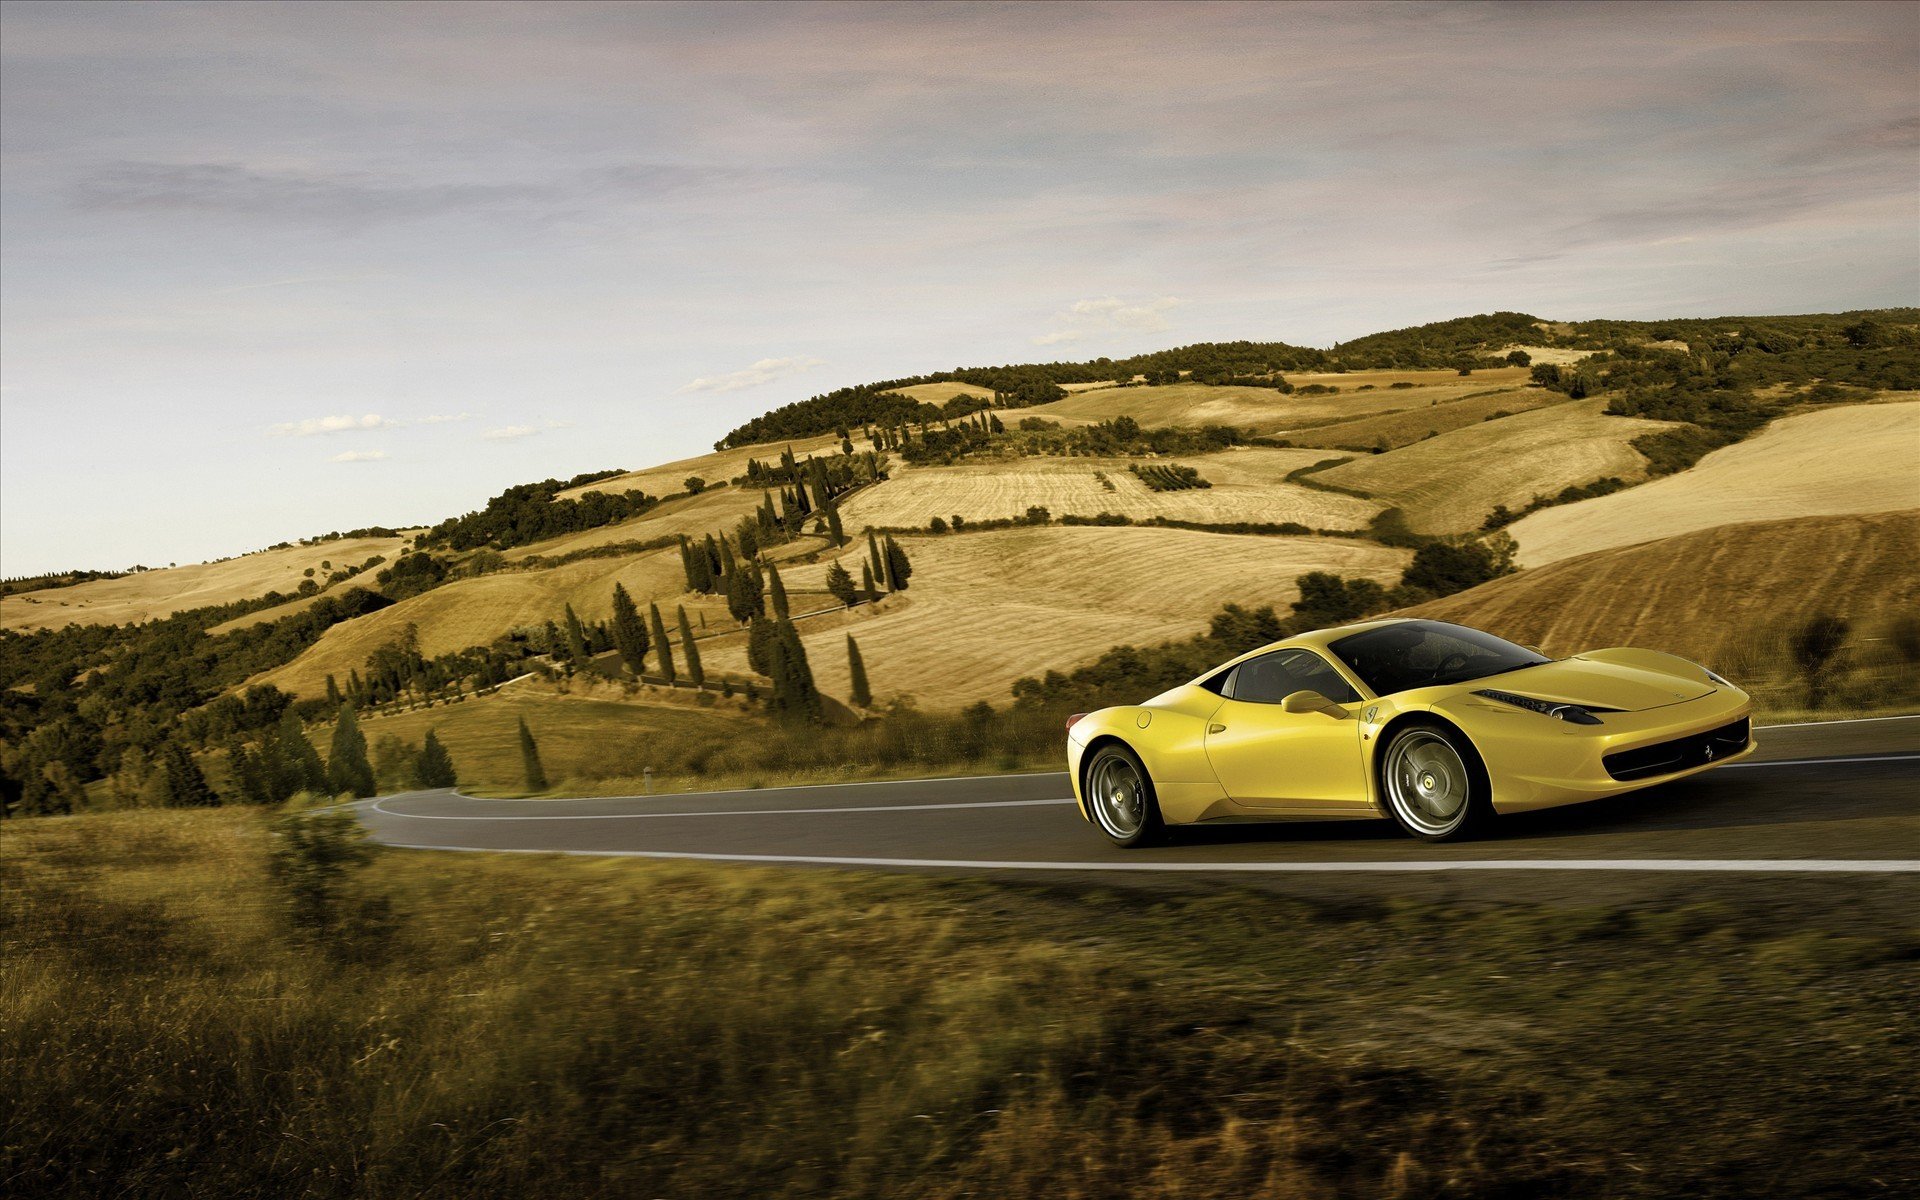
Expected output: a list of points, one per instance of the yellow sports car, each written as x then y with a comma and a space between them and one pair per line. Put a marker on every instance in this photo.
1436, 726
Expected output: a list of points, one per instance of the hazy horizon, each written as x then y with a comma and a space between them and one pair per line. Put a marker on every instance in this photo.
273, 271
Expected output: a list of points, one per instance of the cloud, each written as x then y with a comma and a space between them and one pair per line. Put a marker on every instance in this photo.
340, 424
1106, 316
767, 370
360, 456
507, 433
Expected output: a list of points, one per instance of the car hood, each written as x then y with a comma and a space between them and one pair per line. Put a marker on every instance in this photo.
1592, 684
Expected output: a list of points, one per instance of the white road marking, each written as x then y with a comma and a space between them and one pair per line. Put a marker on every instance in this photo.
739, 812
1847, 721
1804, 762
1790, 866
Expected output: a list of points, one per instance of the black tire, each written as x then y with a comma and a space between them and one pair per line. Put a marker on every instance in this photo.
1433, 783
1120, 797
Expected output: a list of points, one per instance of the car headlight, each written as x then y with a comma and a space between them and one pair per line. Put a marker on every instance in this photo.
1573, 713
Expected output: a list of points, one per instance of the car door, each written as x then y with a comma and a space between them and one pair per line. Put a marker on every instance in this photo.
1268, 758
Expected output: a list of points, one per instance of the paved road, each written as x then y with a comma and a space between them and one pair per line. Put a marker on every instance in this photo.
1821, 799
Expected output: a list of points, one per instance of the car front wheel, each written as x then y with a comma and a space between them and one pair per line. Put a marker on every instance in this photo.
1120, 797
1434, 784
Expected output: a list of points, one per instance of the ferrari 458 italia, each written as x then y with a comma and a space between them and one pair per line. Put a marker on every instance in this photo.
1435, 726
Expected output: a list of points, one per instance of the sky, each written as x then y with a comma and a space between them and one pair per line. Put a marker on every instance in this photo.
271, 271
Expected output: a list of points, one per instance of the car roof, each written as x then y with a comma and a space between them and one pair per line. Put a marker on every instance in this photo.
1317, 639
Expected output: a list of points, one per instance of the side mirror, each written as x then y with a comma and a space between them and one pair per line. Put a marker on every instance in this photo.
1309, 702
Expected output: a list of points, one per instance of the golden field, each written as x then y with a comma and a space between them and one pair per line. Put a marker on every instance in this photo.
940, 393
1696, 593
985, 609
668, 478
713, 511
1856, 459
1448, 484
1410, 425
1262, 410
151, 595
1248, 485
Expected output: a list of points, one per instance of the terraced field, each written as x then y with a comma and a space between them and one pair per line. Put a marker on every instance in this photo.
1860, 458
1448, 484
988, 608
1698, 593
1248, 485
151, 595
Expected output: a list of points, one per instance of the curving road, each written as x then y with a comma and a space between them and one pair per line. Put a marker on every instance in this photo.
1833, 798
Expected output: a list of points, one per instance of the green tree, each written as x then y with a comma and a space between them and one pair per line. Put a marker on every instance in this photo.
841, 585
1327, 599
663, 649
577, 650
898, 568
333, 693
795, 697
186, 786
434, 766
835, 534
1442, 568
866, 583
878, 563
536, 775
862, 695
689, 651
629, 634
1519, 358
761, 635
348, 768
779, 590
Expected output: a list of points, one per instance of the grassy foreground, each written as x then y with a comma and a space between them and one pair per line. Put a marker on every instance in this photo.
178, 1016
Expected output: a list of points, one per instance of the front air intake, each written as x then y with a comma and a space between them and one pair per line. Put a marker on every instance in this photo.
1680, 754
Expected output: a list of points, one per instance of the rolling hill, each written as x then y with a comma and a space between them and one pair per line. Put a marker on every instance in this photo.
1855, 459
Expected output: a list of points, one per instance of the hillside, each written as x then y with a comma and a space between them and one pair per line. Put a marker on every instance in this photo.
1264, 410
985, 609
1449, 483
1708, 592
150, 595
1249, 484
1442, 415
717, 467
1853, 459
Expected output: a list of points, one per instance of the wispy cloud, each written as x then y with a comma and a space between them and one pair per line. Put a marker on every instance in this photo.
344, 423
767, 370
507, 433
1106, 316
360, 456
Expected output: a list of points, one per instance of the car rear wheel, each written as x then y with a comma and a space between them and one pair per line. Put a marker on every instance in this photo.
1433, 783
1120, 797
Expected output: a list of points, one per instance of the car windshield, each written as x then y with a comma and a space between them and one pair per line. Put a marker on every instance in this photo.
1411, 654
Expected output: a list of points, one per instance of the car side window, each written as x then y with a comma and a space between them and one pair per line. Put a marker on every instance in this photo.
1271, 678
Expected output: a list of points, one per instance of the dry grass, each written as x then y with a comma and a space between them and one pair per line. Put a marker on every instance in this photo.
710, 512
1448, 484
1260, 409
1248, 485
151, 595
1403, 428
472, 612
940, 393
575, 727
1691, 593
1856, 459
987, 608
671, 477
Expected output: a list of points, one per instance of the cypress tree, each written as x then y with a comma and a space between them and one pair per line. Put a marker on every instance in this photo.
660, 642
835, 534
297, 764
186, 786
779, 590
536, 775
249, 774
690, 652
434, 767
686, 562
333, 693
629, 634
857, 674
795, 697
760, 639
577, 648
841, 585
898, 568
348, 769
727, 564
873, 554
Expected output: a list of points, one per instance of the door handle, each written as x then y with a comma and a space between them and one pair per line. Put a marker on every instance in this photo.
1216, 728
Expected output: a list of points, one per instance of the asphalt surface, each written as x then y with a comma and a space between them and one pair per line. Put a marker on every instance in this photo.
1832, 799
